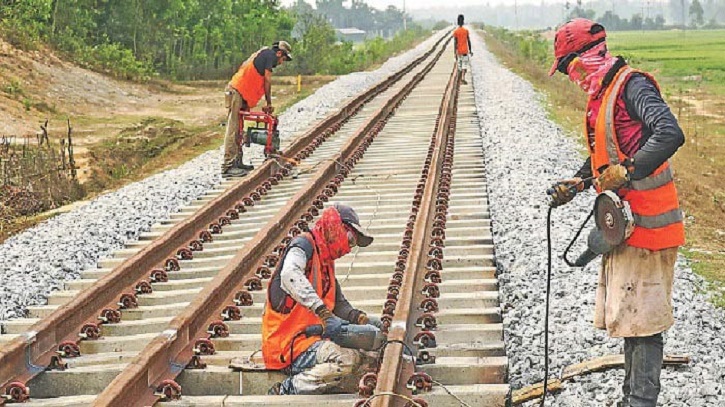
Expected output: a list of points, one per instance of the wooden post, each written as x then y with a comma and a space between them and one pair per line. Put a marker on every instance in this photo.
44, 136
71, 160
299, 83
62, 154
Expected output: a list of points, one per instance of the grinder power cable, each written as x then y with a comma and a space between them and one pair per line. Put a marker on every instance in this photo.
614, 225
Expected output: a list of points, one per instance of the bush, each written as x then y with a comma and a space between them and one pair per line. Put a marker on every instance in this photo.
530, 44
119, 61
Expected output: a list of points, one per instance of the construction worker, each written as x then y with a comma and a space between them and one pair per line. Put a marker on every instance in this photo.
462, 48
631, 134
252, 81
303, 292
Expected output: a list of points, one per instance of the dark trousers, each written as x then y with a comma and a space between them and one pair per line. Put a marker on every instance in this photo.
642, 366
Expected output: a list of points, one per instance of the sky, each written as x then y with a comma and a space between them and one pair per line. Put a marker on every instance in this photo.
419, 4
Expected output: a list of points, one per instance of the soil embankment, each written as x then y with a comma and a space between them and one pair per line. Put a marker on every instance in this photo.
121, 131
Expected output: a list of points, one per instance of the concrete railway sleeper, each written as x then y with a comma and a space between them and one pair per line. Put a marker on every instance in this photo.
146, 286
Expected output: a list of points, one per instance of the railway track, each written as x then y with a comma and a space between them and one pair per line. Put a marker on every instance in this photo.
415, 178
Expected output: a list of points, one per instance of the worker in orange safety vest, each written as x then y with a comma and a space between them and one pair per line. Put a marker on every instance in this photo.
631, 134
462, 48
303, 292
252, 81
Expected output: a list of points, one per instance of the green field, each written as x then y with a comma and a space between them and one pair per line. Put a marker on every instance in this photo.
674, 55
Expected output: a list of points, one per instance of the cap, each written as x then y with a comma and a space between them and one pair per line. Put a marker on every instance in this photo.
284, 47
575, 37
350, 218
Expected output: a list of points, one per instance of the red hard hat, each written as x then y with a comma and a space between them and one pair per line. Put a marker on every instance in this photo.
576, 36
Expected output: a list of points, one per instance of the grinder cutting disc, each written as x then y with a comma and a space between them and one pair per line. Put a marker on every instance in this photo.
613, 217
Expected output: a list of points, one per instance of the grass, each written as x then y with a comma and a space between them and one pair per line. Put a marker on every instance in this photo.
676, 54
690, 68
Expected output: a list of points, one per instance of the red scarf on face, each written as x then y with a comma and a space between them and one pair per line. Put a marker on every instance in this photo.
589, 69
330, 236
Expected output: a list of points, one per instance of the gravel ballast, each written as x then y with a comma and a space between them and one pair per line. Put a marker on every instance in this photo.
39, 260
525, 153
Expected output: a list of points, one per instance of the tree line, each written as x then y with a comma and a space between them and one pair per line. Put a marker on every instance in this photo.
180, 39
625, 14
686, 13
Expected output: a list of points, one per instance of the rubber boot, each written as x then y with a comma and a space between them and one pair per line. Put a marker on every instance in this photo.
641, 386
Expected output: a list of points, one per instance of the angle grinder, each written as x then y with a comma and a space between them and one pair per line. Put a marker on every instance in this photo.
614, 225
613, 217
365, 337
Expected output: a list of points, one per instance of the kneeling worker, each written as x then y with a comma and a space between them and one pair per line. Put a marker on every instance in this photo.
248, 85
304, 292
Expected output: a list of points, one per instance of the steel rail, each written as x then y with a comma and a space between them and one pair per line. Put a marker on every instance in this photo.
396, 367
167, 355
28, 355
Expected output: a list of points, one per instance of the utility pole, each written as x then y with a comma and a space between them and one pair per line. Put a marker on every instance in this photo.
516, 15
405, 19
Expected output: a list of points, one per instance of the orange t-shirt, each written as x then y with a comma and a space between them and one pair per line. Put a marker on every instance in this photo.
461, 35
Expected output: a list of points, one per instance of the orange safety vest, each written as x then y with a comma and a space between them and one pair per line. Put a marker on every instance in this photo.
248, 82
461, 36
279, 329
653, 200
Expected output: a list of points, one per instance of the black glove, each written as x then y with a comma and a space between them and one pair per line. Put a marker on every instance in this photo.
332, 325
562, 192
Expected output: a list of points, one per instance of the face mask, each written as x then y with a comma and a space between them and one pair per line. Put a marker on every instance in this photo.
578, 74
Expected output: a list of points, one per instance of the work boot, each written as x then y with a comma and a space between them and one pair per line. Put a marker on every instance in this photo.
463, 81
234, 172
238, 163
642, 380
275, 390
245, 167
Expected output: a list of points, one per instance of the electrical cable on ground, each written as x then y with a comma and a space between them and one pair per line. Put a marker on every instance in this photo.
381, 349
375, 214
546, 315
463, 403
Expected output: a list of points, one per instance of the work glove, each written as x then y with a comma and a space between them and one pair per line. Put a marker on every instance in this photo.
357, 317
269, 109
363, 319
561, 192
614, 177
376, 322
331, 324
